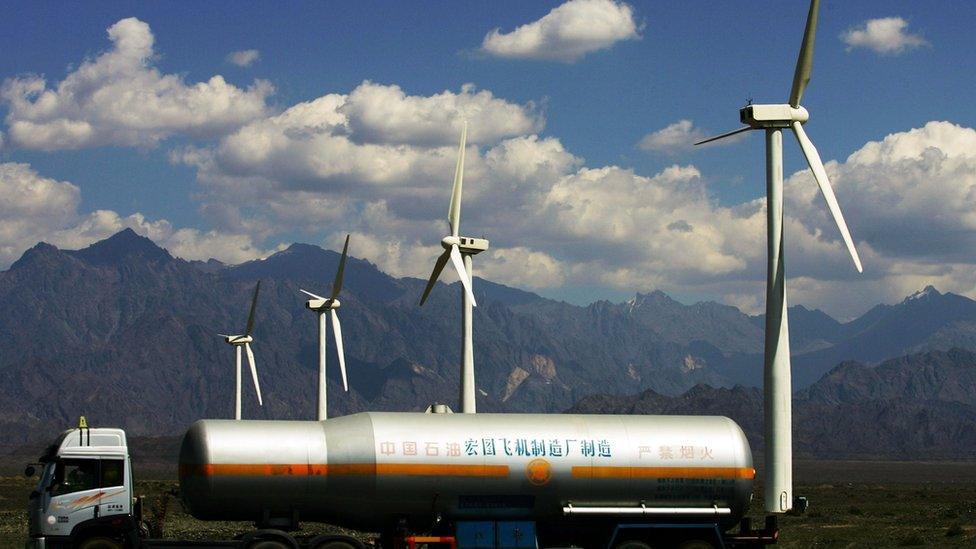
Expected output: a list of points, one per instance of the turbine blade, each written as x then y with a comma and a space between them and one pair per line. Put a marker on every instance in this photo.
462, 273
804, 63
454, 212
254, 372
724, 135
438, 267
337, 330
254, 306
816, 165
310, 294
337, 285
224, 335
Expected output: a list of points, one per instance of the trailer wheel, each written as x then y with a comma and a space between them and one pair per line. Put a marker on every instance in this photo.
696, 544
632, 544
334, 541
269, 539
268, 544
334, 544
100, 543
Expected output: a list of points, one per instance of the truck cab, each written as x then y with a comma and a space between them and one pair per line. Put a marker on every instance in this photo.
84, 493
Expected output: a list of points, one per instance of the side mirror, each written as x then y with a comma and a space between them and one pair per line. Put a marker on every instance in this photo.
29, 471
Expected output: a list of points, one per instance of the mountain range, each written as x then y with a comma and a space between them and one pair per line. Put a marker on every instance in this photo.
125, 333
919, 406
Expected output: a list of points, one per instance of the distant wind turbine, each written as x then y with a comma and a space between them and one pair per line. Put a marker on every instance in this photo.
329, 306
244, 341
458, 250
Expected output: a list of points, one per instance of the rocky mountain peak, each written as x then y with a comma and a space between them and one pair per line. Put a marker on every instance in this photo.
301, 248
925, 293
121, 246
39, 252
655, 298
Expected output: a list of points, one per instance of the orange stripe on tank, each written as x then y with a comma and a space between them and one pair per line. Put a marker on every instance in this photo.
663, 472
248, 470
344, 469
441, 470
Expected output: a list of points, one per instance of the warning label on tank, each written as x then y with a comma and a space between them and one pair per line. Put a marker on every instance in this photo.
693, 488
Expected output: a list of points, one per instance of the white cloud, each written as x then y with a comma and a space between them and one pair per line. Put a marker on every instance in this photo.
119, 98
679, 136
567, 33
912, 196
374, 136
37, 208
243, 58
32, 207
523, 267
636, 232
885, 35
393, 255
909, 201
385, 114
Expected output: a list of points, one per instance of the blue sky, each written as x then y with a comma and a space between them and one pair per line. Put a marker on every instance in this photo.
697, 61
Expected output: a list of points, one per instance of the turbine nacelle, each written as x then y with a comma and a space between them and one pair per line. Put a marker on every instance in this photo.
466, 244
772, 116
322, 304
238, 339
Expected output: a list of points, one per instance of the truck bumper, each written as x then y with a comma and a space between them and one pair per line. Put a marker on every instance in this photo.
36, 543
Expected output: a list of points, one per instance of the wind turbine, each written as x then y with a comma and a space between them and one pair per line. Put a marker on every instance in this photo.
323, 306
239, 341
777, 385
458, 250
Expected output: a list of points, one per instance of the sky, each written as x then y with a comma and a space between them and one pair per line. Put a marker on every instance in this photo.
232, 130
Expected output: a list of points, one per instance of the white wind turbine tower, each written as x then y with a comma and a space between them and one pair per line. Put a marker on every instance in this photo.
328, 306
777, 389
459, 249
244, 340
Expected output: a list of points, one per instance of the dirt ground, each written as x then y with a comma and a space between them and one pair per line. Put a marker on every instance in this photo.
852, 504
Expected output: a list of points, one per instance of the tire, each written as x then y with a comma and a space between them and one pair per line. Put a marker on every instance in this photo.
268, 544
100, 543
696, 544
269, 539
632, 544
334, 544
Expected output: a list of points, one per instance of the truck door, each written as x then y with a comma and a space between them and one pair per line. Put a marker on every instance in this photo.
75, 494
115, 498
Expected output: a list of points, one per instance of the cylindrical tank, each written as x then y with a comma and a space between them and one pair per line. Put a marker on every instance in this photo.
367, 470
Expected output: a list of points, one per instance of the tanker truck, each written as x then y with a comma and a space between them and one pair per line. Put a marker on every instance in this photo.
462, 480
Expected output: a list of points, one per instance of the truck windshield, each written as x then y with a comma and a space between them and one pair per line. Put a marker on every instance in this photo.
46, 476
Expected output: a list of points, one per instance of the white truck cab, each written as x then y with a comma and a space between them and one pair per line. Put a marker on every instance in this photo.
85, 490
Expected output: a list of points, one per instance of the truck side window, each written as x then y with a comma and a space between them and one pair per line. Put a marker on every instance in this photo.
113, 473
75, 475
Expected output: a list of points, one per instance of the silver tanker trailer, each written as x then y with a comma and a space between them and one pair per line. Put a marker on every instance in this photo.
468, 480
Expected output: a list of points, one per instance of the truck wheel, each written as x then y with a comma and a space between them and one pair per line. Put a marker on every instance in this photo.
269, 539
100, 543
696, 544
334, 544
268, 544
632, 544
